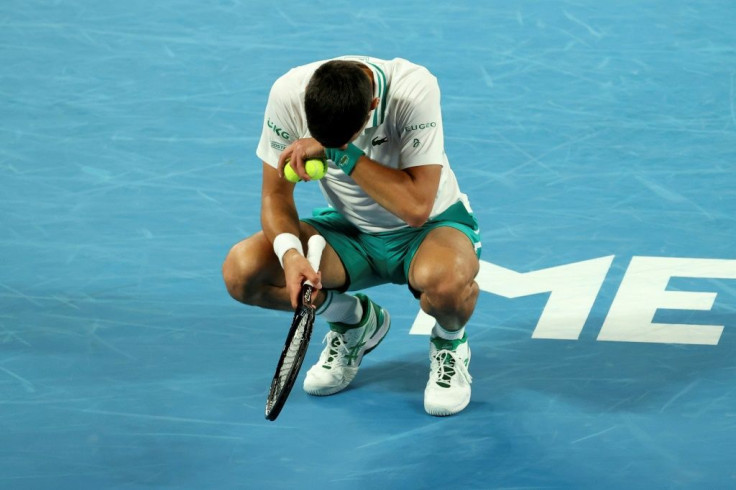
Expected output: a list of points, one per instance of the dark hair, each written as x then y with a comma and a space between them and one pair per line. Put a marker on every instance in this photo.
337, 102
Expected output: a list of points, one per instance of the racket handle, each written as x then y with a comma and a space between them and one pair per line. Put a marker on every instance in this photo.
315, 246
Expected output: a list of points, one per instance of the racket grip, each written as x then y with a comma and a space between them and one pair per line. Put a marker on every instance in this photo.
315, 246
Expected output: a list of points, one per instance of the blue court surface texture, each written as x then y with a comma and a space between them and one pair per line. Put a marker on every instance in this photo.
596, 141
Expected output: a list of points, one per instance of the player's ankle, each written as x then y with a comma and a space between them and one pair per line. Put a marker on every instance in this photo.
341, 308
443, 333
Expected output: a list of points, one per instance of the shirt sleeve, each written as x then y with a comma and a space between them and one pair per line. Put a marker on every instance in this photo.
420, 125
281, 122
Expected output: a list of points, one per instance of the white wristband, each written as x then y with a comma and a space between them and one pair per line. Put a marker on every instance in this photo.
285, 242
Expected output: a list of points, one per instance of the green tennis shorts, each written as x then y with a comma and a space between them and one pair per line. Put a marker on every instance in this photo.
371, 259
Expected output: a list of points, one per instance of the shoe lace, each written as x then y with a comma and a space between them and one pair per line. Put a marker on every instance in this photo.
445, 365
337, 351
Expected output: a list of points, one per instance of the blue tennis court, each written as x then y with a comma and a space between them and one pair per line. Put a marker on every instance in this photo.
597, 144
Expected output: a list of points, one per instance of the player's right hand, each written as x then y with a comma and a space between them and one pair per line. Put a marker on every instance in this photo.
299, 152
297, 270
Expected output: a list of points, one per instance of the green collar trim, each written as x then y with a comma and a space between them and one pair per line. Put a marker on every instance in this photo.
379, 113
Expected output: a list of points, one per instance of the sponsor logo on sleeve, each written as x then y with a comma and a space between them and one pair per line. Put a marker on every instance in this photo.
278, 130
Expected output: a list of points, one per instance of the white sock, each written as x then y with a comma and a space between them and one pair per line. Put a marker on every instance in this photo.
440, 332
342, 308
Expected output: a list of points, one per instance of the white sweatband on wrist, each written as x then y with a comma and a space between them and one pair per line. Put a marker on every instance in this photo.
285, 242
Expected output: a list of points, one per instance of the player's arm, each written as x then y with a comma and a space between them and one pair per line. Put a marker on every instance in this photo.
279, 216
410, 191
278, 209
280, 126
408, 194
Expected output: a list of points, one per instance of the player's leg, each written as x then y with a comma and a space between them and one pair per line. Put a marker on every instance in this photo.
443, 272
253, 275
357, 324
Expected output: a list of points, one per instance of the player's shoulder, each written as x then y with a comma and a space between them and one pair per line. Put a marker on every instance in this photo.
408, 77
410, 83
402, 68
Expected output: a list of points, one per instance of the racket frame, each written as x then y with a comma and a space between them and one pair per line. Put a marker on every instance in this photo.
282, 383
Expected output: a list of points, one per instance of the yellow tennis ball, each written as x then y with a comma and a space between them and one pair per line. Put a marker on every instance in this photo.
316, 168
289, 174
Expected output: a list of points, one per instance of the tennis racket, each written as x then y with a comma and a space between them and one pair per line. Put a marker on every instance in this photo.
298, 339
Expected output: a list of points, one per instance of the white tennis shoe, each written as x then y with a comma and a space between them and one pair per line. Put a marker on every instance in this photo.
345, 347
448, 388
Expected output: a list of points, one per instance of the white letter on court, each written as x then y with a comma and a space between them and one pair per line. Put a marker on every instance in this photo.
643, 291
573, 289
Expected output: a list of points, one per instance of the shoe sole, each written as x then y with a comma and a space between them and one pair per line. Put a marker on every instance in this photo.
331, 390
446, 411
371, 344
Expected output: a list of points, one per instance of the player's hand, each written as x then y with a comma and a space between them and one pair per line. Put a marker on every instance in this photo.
297, 270
299, 152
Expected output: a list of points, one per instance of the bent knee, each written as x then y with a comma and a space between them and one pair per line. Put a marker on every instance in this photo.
248, 267
444, 277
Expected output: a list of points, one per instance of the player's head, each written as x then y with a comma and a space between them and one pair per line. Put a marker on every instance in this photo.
338, 101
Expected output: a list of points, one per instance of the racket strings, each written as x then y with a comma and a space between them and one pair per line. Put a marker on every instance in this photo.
292, 353
295, 348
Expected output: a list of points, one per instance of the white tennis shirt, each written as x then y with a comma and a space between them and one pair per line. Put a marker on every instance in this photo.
404, 131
